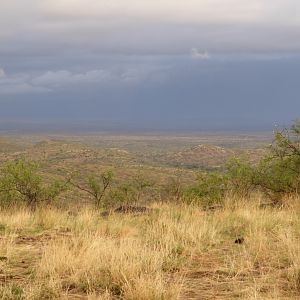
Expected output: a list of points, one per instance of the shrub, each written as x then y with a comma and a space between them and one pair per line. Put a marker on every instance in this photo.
20, 180
174, 189
277, 174
124, 193
241, 176
209, 190
130, 192
96, 186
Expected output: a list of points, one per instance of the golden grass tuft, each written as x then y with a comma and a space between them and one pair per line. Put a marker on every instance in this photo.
175, 252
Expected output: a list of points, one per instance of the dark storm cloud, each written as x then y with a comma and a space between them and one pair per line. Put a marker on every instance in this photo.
161, 62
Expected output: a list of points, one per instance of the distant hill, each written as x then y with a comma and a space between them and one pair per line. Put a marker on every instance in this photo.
208, 157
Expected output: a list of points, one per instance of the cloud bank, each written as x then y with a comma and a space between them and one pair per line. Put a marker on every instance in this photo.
50, 81
148, 27
170, 60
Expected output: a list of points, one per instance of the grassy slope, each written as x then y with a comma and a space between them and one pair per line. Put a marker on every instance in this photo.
176, 252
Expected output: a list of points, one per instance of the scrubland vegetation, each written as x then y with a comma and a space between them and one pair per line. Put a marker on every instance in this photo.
228, 233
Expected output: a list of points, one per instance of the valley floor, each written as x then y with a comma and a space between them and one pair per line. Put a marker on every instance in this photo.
173, 252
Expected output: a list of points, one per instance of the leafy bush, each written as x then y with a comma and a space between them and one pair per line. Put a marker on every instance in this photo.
124, 193
209, 190
241, 176
96, 186
277, 174
20, 180
129, 192
174, 189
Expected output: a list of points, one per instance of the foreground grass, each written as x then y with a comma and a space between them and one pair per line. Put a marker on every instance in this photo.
175, 252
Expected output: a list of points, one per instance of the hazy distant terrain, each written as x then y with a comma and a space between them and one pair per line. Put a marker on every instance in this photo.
162, 152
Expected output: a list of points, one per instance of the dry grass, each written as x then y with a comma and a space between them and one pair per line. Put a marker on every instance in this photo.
176, 252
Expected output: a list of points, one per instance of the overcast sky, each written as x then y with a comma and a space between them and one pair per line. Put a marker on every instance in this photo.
159, 64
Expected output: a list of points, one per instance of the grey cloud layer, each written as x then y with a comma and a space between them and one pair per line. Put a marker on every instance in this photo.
149, 27
211, 11
172, 62
64, 79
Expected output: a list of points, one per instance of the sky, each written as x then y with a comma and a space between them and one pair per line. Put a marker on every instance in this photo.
149, 65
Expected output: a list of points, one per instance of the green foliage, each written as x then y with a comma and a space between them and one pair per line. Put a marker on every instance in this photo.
174, 189
241, 176
287, 143
96, 186
20, 180
209, 190
121, 194
130, 192
277, 174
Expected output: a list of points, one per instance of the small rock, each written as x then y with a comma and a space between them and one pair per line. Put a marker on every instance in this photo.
131, 209
127, 209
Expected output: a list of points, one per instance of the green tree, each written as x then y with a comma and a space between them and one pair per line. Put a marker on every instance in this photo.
277, 174
96, 186
20, 180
